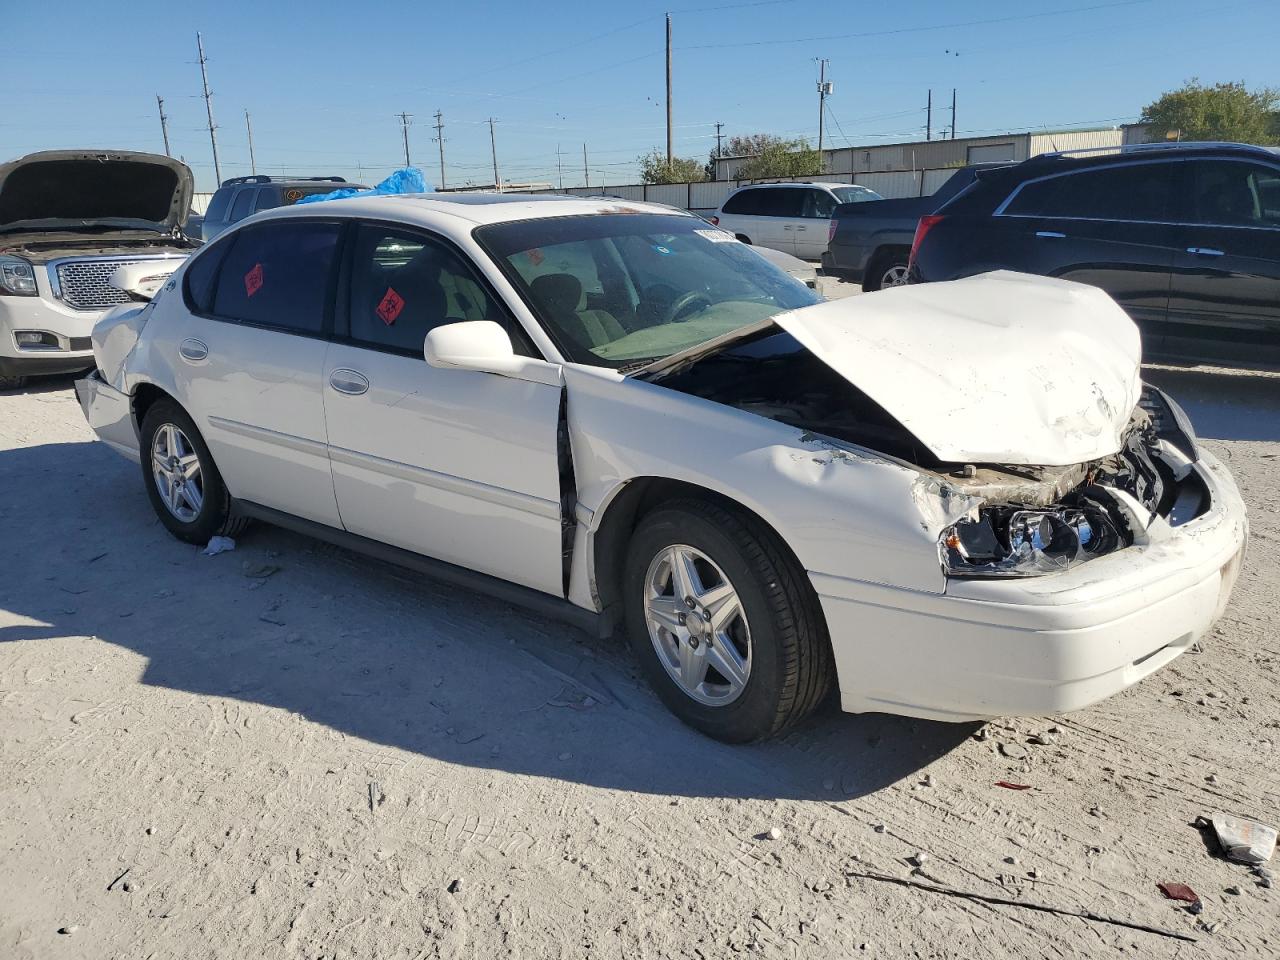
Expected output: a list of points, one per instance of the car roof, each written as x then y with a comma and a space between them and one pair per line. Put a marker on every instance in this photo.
474, 208
1101, 157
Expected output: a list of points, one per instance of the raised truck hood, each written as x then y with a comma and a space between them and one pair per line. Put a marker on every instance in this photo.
999, 368
65, 189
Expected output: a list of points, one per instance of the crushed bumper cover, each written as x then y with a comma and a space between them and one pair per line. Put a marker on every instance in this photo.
110, 414
1037, 646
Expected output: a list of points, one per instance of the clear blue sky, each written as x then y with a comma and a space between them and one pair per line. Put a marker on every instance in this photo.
324, 81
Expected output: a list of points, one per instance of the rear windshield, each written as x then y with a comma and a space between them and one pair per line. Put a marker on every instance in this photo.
619, 290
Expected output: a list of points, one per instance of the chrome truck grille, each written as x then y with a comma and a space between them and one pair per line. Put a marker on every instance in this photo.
84, 285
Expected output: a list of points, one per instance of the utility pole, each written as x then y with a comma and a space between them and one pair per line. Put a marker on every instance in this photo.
253, 163
405, 120
208, 109
669, 156
928, 122
440, 140
559, 169
953, 113
493, 148
164, 124
586, 176
824, 88
719, 151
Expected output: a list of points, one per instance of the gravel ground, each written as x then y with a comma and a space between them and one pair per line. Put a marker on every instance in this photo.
291, 751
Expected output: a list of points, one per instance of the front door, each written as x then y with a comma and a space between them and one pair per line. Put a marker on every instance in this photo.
452, 464
1226, 278
249, 359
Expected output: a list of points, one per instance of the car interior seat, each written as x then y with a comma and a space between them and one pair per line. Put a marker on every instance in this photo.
560, 296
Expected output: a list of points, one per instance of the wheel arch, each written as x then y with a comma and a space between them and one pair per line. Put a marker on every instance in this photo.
145, 395
629, 503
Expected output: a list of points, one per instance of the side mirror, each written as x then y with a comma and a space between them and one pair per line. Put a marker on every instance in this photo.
142, 281
480, 345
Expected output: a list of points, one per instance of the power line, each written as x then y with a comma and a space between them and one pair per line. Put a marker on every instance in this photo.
921, 29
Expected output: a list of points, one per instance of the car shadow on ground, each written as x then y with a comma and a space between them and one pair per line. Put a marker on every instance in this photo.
1233, 405
377, 652
54, 383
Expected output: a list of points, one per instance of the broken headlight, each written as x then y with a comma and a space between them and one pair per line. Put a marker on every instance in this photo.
1005, 542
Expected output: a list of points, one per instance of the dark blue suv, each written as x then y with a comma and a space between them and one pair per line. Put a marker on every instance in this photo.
1185, 237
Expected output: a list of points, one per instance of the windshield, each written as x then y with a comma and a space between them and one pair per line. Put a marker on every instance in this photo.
855, 194
622, 288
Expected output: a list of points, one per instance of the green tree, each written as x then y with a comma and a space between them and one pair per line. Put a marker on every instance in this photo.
1224, 111
655, 169
775, 157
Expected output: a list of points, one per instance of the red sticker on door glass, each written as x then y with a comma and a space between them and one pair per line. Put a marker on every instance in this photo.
389, 306
536, 257
253, 280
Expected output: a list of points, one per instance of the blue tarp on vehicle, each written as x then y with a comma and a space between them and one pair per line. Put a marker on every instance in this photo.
404, 180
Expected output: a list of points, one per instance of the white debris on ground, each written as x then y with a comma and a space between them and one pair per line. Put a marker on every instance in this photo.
306, 753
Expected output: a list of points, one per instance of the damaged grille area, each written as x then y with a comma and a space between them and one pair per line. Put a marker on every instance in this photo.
84, 284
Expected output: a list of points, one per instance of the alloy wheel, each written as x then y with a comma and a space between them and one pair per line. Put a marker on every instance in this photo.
175, 466
895, 276
697, 625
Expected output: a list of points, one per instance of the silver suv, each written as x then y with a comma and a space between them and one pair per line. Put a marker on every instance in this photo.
68, 220
239, 197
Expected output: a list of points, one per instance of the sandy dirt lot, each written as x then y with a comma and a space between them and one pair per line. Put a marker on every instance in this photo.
291, 751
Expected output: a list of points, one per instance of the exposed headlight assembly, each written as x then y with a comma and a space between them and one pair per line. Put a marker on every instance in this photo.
1004, 542
17, 278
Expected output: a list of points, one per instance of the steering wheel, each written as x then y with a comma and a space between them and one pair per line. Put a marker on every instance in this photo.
684, 302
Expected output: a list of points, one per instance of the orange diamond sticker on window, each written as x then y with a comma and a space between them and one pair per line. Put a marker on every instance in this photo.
389, 306
253, 280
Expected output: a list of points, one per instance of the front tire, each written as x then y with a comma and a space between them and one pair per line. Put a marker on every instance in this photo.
182, 481
725, 625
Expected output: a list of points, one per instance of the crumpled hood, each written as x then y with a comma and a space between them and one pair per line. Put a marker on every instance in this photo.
63, 189
999, 368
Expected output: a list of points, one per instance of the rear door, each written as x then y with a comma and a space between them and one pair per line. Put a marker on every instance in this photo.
453, 464
1227, 267
1106, 226
250, 360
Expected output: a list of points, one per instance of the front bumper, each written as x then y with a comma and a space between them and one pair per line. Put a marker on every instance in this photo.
45, 314
1041, 645
110, 414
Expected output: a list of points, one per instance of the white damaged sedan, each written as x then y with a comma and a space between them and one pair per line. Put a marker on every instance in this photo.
951, 501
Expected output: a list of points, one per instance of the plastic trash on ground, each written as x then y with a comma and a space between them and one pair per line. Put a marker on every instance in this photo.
218, 545
404, 180
1244, 840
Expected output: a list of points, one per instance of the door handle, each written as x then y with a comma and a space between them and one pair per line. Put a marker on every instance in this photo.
801, 229
1051, 234
351, 382
787, 226
1205, 251
193, 350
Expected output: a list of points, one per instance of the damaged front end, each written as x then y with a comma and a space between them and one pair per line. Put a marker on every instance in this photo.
1038, 520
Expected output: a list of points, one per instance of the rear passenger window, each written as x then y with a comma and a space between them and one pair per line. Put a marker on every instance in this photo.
1131, 192
784, 202
746, 203
200, 275
403, 285
243, 205
277, 274
268, 198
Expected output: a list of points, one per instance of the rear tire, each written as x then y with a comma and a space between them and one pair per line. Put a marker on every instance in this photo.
12, 383
182, 481
888, 269
783, 665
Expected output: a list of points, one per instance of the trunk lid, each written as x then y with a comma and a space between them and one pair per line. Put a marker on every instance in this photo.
64, 190
999, 368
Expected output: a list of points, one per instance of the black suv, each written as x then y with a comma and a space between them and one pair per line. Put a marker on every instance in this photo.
238, 197
1185, 237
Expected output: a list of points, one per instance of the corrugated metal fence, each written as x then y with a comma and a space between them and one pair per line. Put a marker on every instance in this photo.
708, 195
